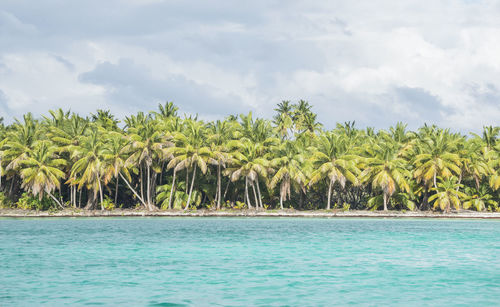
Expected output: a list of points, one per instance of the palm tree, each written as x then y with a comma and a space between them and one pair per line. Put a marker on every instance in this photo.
283, 120
67, 134
334, 159
166, 111
21, 138
88, 170
147, 148
385, 169
288, 163
114, 159
105, 119
220, 132
437, 158
474, 163
190, 152
479, 199
41, 170
494, 163
248, 162
435, 155
447, 194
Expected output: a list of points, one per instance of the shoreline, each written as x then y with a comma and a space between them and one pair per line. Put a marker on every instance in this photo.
17, 213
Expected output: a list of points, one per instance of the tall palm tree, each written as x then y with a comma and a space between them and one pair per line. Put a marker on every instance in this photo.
166, 111
67, 134
114, 157
105, 119
147, 148
220, 132
437, 158
473, 162
190, 152
88, 170
288, 165
248, 162
334, 159
435, 155
284, 119
385, 169
41, 170
21, 138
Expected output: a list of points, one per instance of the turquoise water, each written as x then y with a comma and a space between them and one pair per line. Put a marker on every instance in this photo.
244, 262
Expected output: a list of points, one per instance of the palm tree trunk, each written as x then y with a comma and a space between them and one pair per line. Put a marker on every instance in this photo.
191, 189
425, 201
258, 192
73, 196
116, 190
172, 191
219, 187
255, 195
90, 200
385, 202
329, 194
140, 181
11, 185
55, 199
227, 187
460, 180
247, 199
435, 185
153, 189
216, 195
281, 200
148, 191
161, 172
60, 194
133, 191
80, 199
100, 194
301, 200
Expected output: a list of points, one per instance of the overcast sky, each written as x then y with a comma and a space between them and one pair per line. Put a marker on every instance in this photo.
376, 62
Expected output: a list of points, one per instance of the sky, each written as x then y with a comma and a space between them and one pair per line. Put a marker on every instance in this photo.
375, 62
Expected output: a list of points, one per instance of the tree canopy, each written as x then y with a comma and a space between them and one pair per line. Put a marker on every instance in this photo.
160, 160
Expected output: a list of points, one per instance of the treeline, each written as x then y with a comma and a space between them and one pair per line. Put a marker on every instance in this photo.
159, 160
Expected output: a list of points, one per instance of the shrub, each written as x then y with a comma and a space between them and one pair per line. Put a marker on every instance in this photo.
30, 202
108, 204
239, 205
5, 201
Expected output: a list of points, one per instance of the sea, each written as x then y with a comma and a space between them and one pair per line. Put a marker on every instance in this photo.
166, 261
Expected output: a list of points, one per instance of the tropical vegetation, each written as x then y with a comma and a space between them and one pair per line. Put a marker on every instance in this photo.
161, 161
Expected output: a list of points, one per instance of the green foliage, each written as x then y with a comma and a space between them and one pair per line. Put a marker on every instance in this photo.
161, 160
239, 205
29, 202
5, 202
108, 204
479, 199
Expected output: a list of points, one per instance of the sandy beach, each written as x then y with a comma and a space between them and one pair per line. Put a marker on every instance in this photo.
17, 213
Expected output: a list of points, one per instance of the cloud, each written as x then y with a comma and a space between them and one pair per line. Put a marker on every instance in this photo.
374, 62
131, 86
4, 107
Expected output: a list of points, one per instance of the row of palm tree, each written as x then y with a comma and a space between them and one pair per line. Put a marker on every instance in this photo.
159, 160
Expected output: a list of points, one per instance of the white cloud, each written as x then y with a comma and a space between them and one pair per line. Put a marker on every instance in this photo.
376, 62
